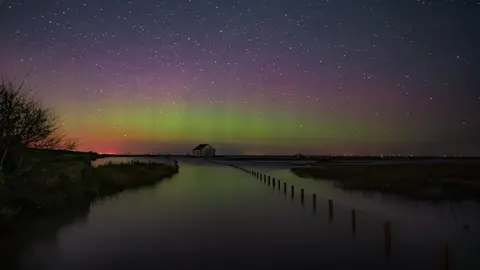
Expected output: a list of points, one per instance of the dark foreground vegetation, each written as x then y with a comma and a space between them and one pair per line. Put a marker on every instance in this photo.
67, 183
422, 181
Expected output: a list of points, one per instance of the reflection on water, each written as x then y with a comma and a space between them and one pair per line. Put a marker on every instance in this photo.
217, 217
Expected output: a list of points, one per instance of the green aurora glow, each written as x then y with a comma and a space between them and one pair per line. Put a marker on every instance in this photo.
122, 123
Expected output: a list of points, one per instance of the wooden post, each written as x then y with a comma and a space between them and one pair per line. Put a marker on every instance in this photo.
293, 190
330, 210
278, 185
314, 202
285, 187
302, 195
354, 223
269, 180
273, 180
388, 238
444, 257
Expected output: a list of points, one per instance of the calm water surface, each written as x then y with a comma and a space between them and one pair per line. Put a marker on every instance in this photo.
211, 216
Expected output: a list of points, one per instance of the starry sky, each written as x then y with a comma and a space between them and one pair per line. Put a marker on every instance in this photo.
253, 76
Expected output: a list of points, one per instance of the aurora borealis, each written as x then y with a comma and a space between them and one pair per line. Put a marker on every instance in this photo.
253, 76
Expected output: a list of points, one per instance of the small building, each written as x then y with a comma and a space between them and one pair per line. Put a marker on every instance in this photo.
204, 150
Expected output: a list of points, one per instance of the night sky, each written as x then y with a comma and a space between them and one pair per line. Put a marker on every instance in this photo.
253, 76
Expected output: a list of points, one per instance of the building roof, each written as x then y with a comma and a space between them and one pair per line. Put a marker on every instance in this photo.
200, 146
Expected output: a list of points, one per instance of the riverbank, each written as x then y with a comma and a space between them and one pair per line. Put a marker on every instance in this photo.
69, 183
420, 181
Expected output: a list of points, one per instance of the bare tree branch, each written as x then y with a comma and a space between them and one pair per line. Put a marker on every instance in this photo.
23, 120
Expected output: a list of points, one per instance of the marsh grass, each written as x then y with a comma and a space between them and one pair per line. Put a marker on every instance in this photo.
61, 182
422, 181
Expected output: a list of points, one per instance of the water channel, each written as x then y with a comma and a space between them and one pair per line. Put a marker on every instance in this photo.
212, 216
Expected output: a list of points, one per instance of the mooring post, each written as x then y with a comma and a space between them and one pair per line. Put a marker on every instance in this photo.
388, 238
278, 185
302, 195
285, 187
444, 260
330, 210
293, 190
354, 223
314, 201
273, 180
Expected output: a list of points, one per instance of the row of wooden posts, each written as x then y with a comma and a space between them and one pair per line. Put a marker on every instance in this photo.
271, 181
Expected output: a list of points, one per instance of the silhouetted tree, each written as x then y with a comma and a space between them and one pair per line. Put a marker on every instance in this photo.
25, 122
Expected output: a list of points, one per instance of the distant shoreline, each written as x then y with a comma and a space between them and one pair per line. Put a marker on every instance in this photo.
320, 158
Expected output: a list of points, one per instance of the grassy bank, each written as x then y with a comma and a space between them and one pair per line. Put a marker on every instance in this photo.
422, 181
69, 182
